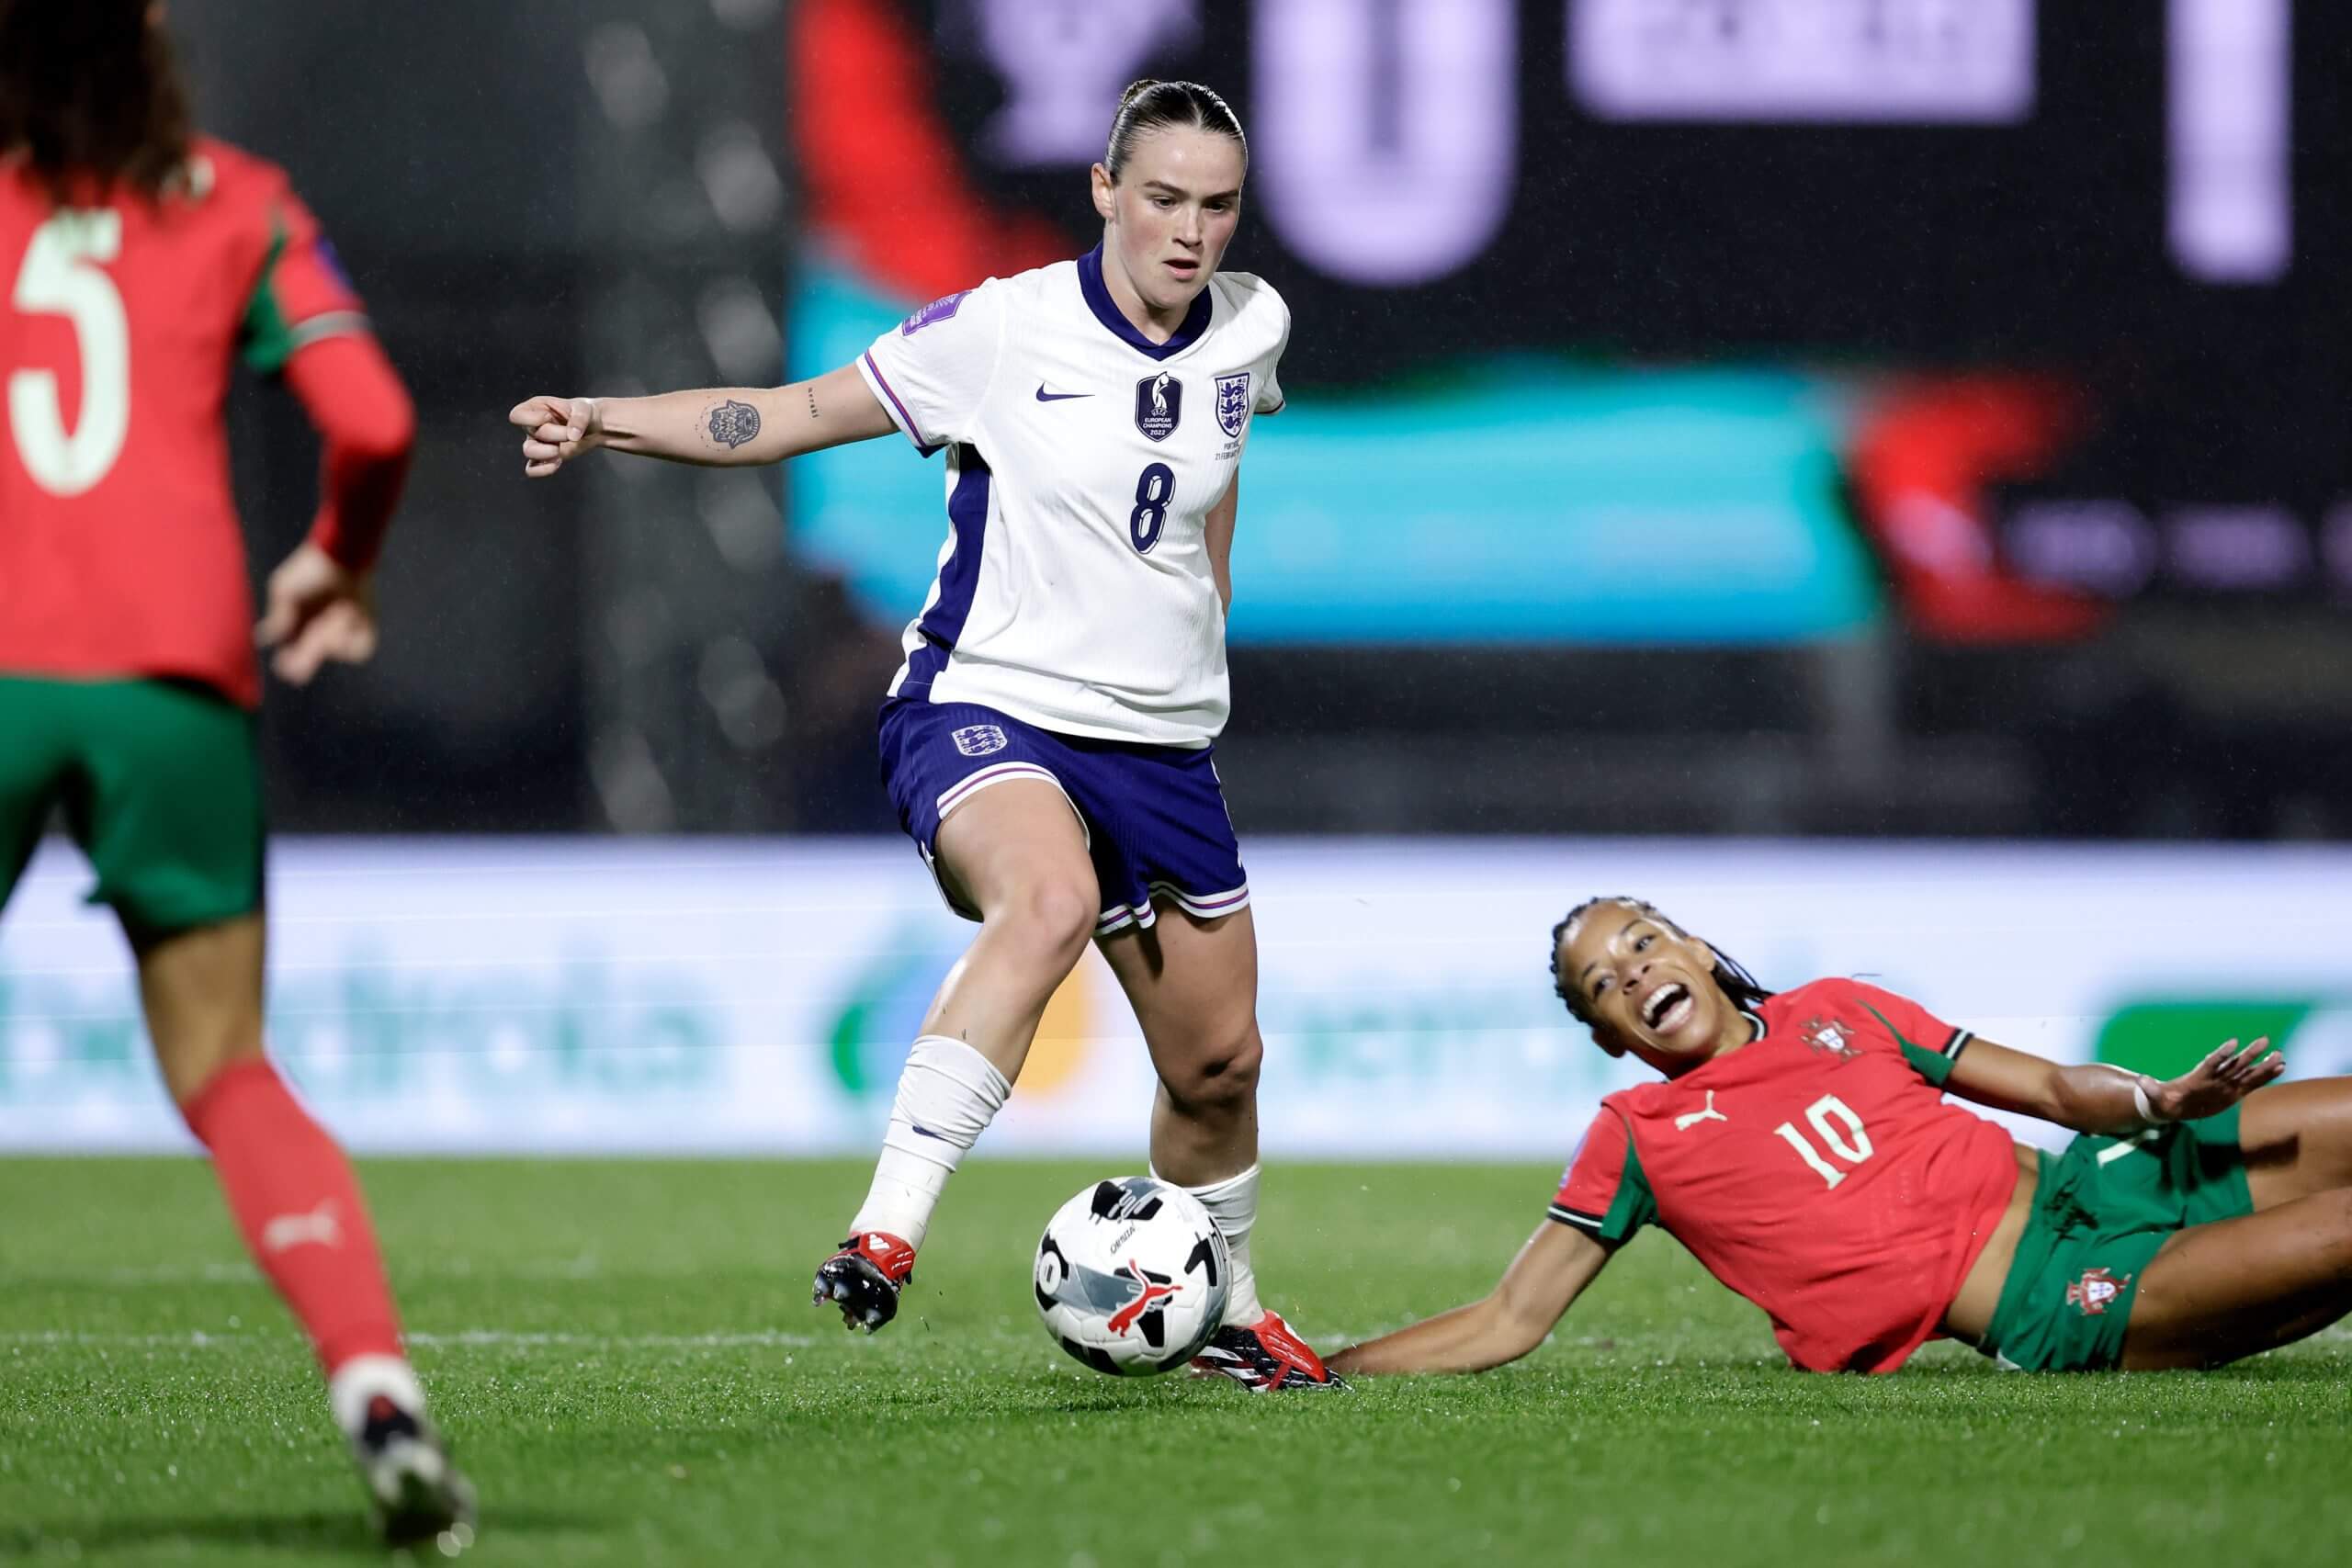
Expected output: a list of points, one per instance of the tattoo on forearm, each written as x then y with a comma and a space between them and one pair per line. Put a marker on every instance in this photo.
733, 424
812, 399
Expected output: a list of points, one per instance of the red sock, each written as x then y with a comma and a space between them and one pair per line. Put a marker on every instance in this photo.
299, 1209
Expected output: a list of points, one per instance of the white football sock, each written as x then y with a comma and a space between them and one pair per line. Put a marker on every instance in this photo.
1233, 1203
358, 1380
947, 1096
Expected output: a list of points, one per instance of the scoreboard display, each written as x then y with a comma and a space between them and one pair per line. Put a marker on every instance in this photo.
1940, 177
2149, 200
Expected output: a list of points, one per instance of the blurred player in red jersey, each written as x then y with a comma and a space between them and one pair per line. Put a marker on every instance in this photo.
1802, 1147
140, 259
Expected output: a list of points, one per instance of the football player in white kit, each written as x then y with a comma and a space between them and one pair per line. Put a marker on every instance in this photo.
1048, 741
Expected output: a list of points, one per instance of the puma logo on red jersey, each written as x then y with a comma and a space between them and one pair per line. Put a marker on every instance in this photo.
1684, 1123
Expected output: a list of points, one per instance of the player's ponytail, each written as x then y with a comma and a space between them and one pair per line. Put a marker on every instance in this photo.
1148, 105
1730, 976
89, 91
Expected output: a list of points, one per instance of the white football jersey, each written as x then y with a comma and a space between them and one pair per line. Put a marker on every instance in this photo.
1074, 592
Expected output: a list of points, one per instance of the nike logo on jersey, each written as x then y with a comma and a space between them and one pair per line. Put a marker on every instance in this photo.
1684, 1123
1045, 397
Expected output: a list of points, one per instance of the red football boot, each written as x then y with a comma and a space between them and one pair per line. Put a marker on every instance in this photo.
863, 1278
1264, 1356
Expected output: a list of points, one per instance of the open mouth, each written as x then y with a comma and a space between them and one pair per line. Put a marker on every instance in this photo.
1669, 1007
1183, 268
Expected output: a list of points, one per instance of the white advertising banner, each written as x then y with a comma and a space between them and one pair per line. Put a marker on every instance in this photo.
694, 996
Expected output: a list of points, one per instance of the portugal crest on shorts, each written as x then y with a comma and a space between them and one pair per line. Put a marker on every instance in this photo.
980, 739
1159, 403
1233, 402
2094, 1291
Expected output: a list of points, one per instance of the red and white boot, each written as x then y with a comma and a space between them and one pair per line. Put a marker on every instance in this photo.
863, 1278
1263, 1357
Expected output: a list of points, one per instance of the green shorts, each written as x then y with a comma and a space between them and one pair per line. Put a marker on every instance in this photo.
159, 783
2100, 1213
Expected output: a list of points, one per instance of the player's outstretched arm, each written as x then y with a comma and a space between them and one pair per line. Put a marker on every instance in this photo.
1548, 1275
2096, 1098
719, 426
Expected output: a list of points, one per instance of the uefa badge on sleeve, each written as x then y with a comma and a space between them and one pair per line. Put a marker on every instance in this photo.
1159, 403
1233, 402
939, 310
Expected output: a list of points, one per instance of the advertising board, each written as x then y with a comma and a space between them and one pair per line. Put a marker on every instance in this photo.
690, 997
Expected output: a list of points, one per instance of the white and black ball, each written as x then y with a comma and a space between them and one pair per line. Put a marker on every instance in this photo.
1131, 1276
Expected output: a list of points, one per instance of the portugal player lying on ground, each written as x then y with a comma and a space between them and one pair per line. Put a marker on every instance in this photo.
1802, 1148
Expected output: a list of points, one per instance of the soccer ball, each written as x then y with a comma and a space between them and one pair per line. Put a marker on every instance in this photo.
1131, 1276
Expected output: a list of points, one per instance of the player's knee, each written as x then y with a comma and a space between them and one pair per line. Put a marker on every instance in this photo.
1055, 915
1221, 1078
191, 1060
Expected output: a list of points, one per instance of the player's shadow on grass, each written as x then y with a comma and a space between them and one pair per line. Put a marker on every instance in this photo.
340, 1530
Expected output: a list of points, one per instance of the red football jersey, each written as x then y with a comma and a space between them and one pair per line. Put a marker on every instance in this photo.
1817, 1170
120, 549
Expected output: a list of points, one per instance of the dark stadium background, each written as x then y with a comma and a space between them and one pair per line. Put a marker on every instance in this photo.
1908, 541
514, 228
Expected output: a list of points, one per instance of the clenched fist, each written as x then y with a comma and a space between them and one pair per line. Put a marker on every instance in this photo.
556, 430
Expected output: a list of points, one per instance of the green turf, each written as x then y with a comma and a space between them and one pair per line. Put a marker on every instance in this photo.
626, 1357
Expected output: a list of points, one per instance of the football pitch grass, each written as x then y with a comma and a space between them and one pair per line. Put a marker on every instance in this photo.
626, 1358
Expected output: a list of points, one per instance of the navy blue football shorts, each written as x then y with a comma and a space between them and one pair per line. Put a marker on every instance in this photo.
1154, 816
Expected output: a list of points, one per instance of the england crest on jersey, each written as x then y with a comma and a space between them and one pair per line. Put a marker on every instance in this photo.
1159, 403
1233, 402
